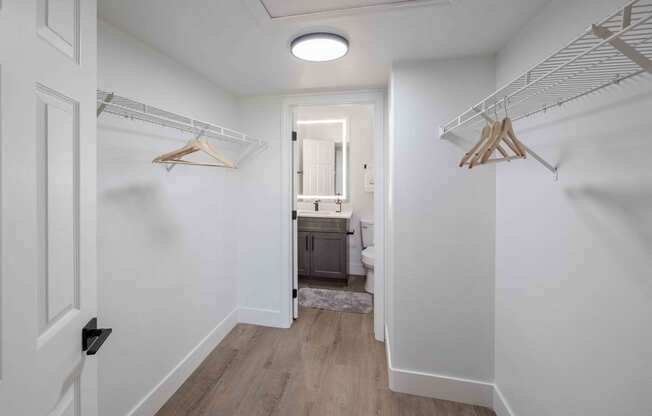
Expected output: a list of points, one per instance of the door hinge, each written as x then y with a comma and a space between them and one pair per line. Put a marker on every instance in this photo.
294, 136
294, 214
295, 293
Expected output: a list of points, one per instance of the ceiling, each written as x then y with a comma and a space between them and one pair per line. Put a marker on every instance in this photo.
243, 45
279, 9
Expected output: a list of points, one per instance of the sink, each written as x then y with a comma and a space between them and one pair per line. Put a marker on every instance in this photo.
325, 214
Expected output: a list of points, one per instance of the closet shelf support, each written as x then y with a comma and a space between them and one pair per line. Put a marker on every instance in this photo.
104, 103
623, 47
553, 169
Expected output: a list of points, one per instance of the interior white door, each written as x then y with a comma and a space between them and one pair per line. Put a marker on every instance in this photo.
295, 224
48, 201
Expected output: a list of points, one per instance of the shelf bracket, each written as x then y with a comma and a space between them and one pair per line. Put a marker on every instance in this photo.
102, 106
627, 16
622, 46
483, 114
543, 162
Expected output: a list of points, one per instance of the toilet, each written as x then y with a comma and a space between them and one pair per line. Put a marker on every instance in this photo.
368, 252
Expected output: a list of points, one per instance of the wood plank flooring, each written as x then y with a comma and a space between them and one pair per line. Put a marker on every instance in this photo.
327, 364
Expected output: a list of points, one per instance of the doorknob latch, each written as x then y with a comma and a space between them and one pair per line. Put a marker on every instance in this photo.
93, 337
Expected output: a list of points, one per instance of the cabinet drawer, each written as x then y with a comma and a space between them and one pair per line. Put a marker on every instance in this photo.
324, 225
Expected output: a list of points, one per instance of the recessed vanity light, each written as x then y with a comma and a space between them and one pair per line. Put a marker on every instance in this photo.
319, 47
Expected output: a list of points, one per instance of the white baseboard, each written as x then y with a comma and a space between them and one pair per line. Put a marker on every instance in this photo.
500, 405
356, 269
437, 386
157, 397
262, 317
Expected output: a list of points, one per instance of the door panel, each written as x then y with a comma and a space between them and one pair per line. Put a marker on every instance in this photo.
48, 197
57, 144
328, 255
58, 23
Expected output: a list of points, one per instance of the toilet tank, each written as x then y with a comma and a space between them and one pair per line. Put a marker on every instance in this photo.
367, 232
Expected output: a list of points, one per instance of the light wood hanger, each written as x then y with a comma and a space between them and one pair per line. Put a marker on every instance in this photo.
195, 145
486, 130
491, 140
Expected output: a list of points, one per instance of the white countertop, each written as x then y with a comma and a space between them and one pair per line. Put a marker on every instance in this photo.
325, 214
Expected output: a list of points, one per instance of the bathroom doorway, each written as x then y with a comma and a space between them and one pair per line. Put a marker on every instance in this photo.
338, 203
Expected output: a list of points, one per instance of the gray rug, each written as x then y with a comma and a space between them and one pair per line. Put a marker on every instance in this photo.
336, 300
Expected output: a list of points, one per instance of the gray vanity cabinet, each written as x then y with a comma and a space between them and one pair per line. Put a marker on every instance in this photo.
322, 246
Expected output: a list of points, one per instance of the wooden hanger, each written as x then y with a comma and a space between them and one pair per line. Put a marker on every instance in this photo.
194, 145
491, 139
486, 130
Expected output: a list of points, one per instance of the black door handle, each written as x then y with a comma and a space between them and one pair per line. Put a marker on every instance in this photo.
312, 243
307, 244
93, 337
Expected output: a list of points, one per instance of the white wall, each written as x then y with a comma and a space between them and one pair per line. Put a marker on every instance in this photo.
262, 263
573, 258
442, 226
167, 241
361, 152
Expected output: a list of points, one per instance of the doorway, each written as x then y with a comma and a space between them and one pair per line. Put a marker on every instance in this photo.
327, 195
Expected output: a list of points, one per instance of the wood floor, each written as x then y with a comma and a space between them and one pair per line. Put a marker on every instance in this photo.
327, 364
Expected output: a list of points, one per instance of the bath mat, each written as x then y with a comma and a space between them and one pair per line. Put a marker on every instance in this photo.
336, 300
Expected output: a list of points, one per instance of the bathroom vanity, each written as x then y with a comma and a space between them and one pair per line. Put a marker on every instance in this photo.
322, 245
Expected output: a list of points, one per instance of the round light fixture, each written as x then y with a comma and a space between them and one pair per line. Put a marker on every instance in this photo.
319, 47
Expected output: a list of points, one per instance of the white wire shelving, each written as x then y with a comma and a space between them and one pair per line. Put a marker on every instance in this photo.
607, 53
125, 107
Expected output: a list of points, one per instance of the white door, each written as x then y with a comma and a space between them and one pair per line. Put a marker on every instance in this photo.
295, 228
48, 196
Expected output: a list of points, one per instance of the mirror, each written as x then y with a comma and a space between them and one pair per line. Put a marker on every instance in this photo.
323, 147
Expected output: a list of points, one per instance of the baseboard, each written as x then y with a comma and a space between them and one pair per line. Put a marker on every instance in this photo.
437, 386
262, 317
356, 269
160, 394
500, 405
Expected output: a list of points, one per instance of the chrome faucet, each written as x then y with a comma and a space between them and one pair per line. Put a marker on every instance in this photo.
316, 204
338, 202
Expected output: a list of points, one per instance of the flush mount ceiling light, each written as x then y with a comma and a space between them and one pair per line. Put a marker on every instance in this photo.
319, 47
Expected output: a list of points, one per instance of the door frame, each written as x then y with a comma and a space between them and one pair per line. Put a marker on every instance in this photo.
376, 98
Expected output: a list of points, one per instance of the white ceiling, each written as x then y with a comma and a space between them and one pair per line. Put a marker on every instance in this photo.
236, 44
278, 9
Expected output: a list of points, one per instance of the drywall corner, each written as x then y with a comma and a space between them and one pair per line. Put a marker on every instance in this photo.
160, 394
500, 405
438, 386
262, 317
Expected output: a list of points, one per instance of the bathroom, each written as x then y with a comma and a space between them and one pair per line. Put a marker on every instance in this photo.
334, 182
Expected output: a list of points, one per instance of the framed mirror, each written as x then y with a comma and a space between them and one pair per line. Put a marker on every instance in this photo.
323, 159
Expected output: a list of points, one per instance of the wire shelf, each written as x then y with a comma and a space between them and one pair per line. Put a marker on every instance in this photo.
607, 53
125, 107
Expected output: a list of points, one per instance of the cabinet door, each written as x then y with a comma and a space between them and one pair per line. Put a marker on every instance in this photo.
303, 250
328, 255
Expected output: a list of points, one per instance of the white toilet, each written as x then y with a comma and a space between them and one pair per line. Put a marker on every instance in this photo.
368, 252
